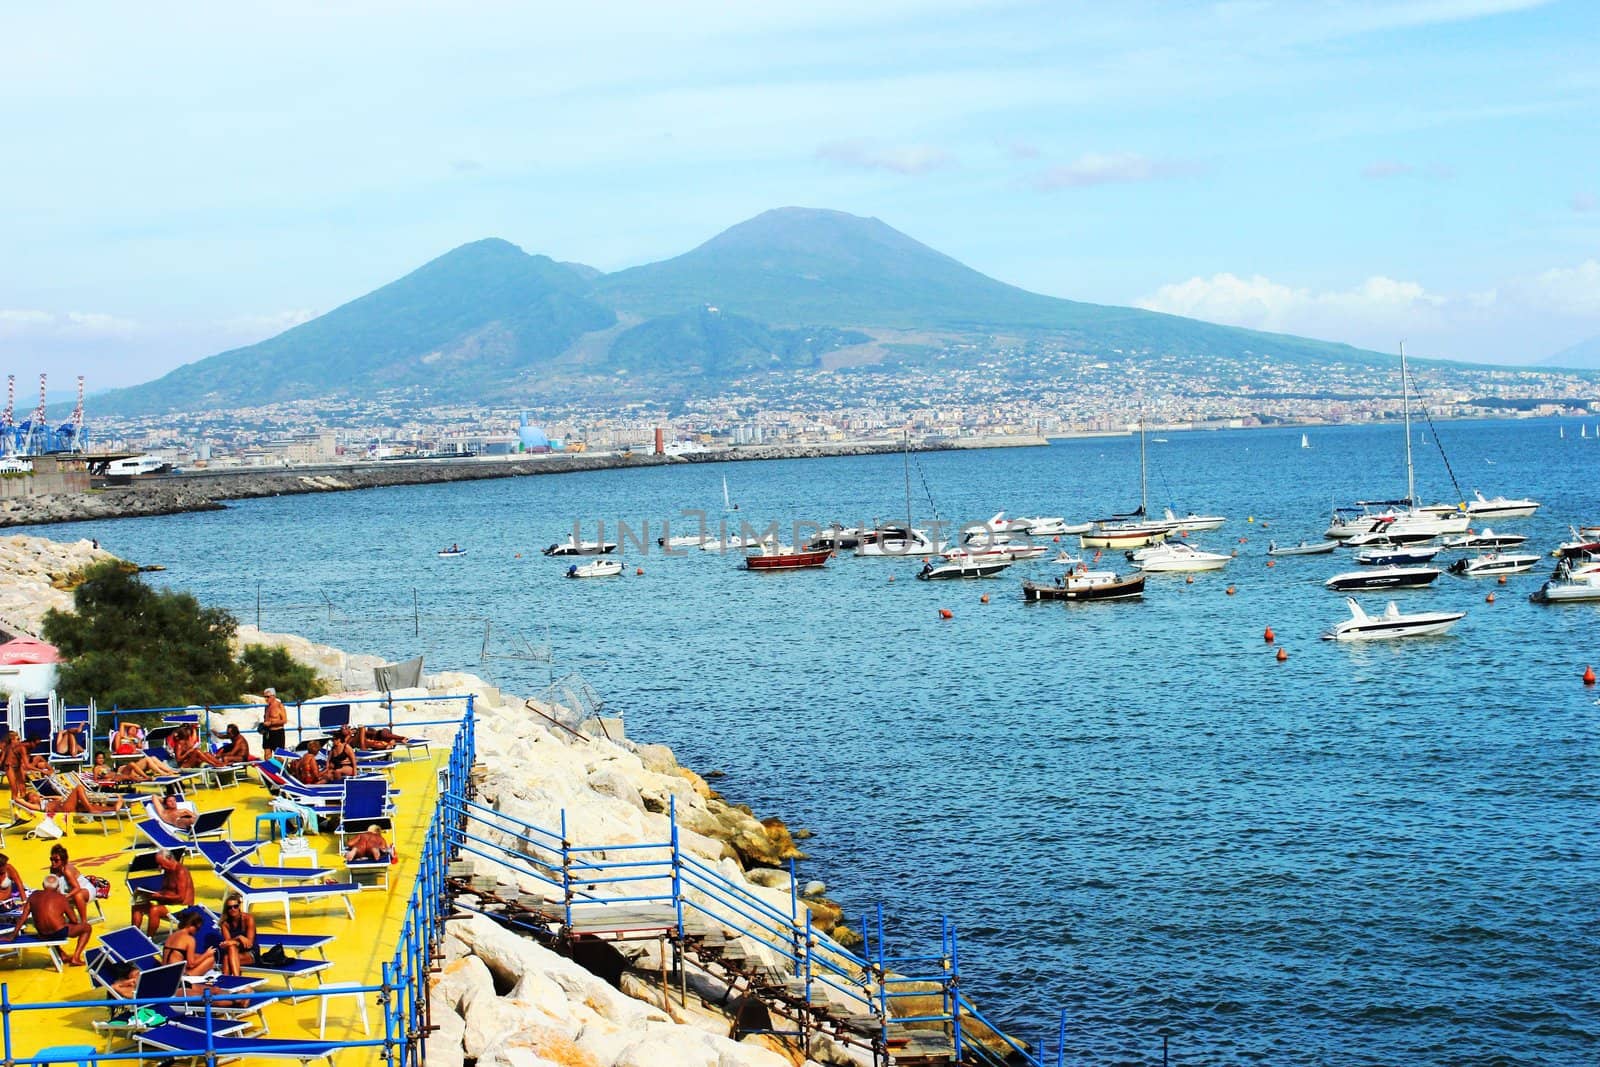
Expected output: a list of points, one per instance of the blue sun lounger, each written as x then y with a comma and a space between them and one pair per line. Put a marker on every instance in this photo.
224, 857
255, 895
51, 943
190, 1042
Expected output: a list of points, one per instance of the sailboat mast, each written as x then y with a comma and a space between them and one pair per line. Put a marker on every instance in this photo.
907, 456
1405, 399
1144, 505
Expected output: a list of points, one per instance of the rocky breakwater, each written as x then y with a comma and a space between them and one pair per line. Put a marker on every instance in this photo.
37, 575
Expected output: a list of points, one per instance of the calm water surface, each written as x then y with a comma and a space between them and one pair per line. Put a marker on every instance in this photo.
1133, 812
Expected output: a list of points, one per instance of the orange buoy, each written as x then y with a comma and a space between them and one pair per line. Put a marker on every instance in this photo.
1489, 599
1269, 637
946, 613
1588, 676
519, 555
1502, 579
984, 599
1272, 563
1283, 653
1230, 590
1056, 539
638, 570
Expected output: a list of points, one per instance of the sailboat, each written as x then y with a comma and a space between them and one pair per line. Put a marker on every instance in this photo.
897, 540
1562, 432
1305, 442
1116, 532
726, 504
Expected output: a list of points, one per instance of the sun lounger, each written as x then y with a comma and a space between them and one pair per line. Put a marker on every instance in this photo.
26, 941
130, 944
206, 823
192, 1042
364, 806
224, 857
287, 894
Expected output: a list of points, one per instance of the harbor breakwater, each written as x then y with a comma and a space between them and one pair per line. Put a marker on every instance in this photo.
209, 490
498, 999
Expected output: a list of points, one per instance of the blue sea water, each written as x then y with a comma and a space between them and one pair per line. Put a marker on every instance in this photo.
1132, 812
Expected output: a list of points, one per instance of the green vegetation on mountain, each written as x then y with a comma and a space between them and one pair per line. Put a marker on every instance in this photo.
773, 294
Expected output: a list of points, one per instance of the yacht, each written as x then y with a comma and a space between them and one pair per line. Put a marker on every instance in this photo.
902, 541
1487, 538
1040, 526
574, 547
1396, 555
1383, 578
1178, 556
1482, 507
1494, 563
1191, 522
1363, 627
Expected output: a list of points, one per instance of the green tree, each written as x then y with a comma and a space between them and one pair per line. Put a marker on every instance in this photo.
127, 645
272, 665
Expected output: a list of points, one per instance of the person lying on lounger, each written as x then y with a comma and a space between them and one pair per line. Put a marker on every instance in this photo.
136, 770
182, 947
368, 847
189, 752
176, 890
377, 738
51, 912
68, 742
168, 811
76, 802
124, 979
129, 738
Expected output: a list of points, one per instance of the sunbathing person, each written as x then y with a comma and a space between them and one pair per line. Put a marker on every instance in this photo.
182, 946
129, 738
124, 979
341, 761
188, 750
51, 912
13, 754
78, 802
377, 738
307, 769
142, 769
176, 890
237, 749
168, 811
11, 885
69, 742
368, 846
238, 945
78, 889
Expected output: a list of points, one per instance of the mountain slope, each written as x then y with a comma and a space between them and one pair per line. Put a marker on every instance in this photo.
483, 313
1584, 354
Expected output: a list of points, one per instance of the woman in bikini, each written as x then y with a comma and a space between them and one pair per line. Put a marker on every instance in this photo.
341, 760
129, 738
238, 945
11, 885
78, 889
189, 751
182, 947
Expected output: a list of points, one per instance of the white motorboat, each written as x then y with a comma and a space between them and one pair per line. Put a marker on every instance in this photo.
1482, 507
836, 538
1383, 578
898, 541
1567, 588
1489, 563
574, 547
1486, 538
1191, 522
599, 568
682, 541
1363, 627
1178, 556
1040, 526
1076, 529
1384, 555
962, 568
1304, 548
1008, 551
734, 543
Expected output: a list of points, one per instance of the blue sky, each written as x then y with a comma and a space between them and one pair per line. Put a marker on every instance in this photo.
180, 179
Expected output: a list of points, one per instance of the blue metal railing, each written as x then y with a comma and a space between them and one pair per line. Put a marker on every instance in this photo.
402, 992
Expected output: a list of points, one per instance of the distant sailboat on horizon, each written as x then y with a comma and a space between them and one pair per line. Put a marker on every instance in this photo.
1305, 442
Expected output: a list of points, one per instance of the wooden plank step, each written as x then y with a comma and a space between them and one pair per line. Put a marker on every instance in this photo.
734, 950
621, 918
860, 1024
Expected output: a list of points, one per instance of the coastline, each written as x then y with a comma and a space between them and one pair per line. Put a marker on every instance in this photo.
209, 490
498, 997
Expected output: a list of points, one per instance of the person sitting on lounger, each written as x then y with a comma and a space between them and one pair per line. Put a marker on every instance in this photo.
237, 749
124, 979
11, 886
307, 769
52, 914
176, 890
69, 742
368, 847
182, 947
168, 811
129, 738
78, 889
341, 761
238, 946
189, 752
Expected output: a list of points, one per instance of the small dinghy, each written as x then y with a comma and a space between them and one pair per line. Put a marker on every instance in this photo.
453, 550
1494, 563
600, 568
1304, 548
1568, 588
1363, 627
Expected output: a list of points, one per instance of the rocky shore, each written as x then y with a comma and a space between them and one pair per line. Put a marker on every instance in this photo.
500, 1000
208, 490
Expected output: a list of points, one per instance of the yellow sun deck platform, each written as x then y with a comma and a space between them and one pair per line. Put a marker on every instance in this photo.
359, 951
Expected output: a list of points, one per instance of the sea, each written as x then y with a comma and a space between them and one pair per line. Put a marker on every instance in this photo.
1144, 825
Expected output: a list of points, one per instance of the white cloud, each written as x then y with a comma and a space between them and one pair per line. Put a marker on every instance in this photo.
1562, 290
1094, 168
900, 159
26, 322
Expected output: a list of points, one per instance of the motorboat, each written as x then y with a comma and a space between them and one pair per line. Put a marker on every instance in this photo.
1396, 555
733, 543
1581, 545
1304, 548
574, 547
1005, 551
1076, 529
451, 552
776, 557
1383, 578
1403, 529
1485, 538
599, 568
1123, 535
1040, 526
964, 567
1178, 556
1363, 627
1482, 507
1191, 522
1083, 585
836, 538
898, 541
682, 541
1494, 563
1568, 589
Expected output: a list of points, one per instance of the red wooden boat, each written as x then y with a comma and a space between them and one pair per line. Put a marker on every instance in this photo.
781, 558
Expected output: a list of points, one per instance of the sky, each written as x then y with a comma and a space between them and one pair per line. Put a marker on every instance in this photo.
181, 179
